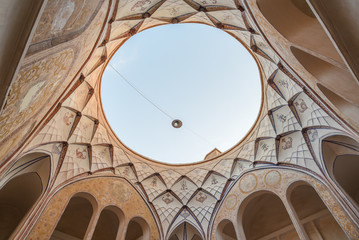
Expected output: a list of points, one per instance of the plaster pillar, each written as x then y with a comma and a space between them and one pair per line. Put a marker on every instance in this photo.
295, 220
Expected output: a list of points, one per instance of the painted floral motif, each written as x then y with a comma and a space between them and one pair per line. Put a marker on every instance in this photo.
80, 154
214, 180
282, 118
201, 197
31, 89
154, 182
283, 83
140, 5
287, 143
126, 171
313, 135
228, 18
300, 105
264, 146
167, 198
185, 213
102, 154
184, 185
174, 10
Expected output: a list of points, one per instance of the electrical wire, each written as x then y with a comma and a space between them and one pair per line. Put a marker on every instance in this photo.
140, 92
157, 106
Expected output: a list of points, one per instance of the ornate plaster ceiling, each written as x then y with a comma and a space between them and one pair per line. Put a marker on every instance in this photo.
81, 142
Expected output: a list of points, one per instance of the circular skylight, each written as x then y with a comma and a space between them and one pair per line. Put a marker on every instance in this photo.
193, 73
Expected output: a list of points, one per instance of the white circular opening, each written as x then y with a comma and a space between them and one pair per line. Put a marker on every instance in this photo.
193, 73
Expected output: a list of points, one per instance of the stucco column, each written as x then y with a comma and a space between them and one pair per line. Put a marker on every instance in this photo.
92, 225
122, 230
295, 220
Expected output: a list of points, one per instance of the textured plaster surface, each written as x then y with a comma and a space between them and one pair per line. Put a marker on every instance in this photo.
107, 191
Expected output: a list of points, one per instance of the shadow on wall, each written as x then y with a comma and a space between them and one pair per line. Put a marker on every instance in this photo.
341, 158
316, 219
137, 229
315, 51
76, 218
226, 231
263, 214
185, 231
20, 189
331, 78
296, 22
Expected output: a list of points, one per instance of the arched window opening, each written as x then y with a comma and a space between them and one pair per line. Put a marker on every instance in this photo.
341, 158
17, 197
185, 231
20, 189
108, 224
314, 216
137, 229
226, 231
76, 218
295, 21
265, 216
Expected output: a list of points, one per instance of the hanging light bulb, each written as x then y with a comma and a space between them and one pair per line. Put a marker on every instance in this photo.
176, 123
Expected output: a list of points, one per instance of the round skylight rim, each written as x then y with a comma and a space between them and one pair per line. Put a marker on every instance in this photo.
221, 155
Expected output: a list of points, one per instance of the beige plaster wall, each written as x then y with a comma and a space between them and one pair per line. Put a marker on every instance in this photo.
278, 181
107, 191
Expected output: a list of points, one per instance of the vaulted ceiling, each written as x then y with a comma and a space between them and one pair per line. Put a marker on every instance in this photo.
54, 106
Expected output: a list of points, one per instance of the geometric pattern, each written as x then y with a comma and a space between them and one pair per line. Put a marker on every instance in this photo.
202, 205
185, 195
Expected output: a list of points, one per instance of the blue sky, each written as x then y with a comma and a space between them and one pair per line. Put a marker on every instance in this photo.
196, 73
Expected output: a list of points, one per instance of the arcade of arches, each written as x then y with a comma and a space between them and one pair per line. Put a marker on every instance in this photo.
64, 174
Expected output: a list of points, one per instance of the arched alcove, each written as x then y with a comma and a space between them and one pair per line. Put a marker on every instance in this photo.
76, 217
185, 231
341, 158
295, 21
226, 231
174, 237
263, 215
314, 216
20, 189
17, 197
137, 229
108, 224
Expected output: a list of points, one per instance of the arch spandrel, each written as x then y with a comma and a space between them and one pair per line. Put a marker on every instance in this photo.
277, 181
107, 191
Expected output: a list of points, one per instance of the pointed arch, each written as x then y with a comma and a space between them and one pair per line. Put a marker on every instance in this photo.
314, 216
185, 231
110, 224
76, 218
341, 160
137, 229
21, 188
263, 214
226, 231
